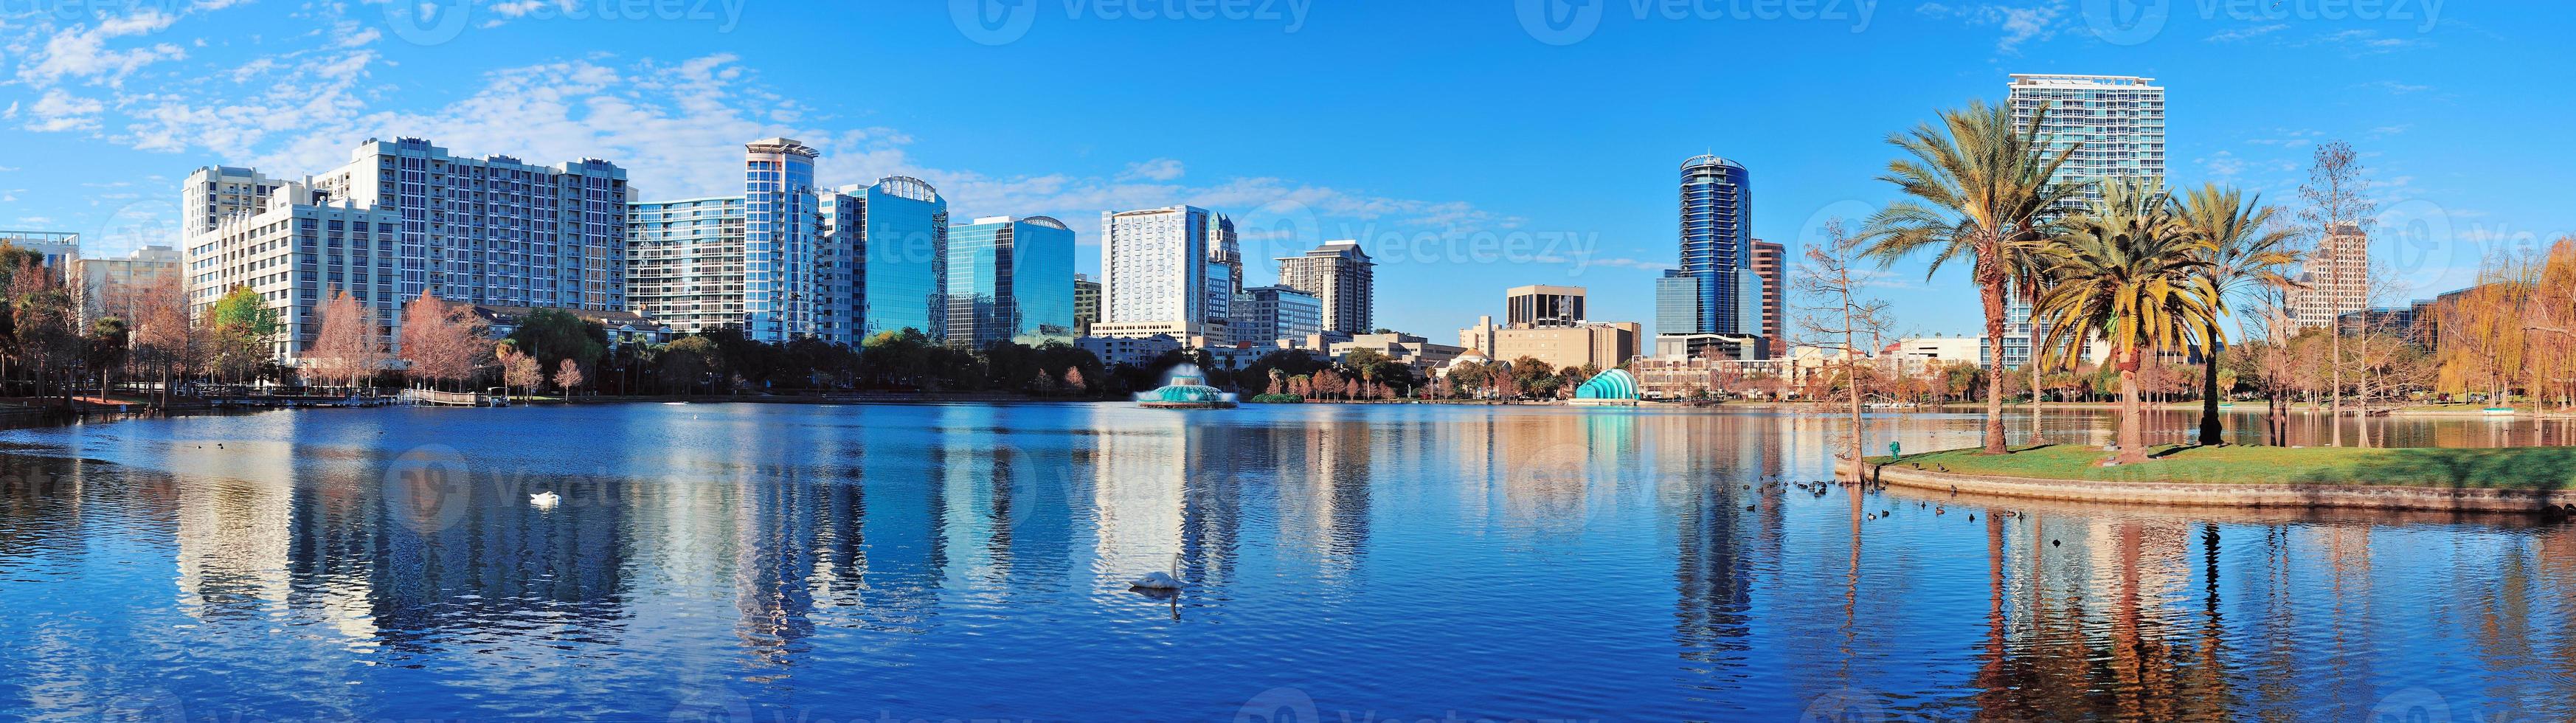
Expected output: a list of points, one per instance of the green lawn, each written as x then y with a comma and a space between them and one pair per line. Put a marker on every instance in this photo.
2512, 468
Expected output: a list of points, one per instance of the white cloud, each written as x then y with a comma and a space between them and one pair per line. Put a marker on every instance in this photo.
82, 52
61, 111
2020, 23
2362, 41
1159, 169
2247, 33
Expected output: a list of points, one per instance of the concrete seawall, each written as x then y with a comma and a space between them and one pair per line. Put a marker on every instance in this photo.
2353, 496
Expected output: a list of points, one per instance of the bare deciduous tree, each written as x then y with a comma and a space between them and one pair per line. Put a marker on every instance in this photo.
1834, 312
2338, 197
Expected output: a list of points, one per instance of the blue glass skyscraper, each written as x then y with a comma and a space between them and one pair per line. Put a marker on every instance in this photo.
903, 276
1715, 294
1010, 280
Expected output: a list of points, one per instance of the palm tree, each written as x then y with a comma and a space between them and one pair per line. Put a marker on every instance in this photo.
2130, 274
2245, 252
1980, 191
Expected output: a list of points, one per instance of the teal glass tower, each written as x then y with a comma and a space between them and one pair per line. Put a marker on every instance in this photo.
1010, 280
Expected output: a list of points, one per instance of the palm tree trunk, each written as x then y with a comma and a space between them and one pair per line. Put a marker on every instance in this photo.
2133, 439
2209, 426
1992, 294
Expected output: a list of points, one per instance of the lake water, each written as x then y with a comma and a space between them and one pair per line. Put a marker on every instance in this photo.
811, 563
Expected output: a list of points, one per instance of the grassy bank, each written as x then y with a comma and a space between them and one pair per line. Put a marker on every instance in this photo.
2528, 468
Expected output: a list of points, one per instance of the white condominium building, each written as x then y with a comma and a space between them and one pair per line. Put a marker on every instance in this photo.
406, 217
684, 262
1169, 271
2119, 122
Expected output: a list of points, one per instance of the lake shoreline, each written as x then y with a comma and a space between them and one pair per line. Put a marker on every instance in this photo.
2304, 494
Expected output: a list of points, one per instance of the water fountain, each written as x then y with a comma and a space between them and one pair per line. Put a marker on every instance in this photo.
1186, 388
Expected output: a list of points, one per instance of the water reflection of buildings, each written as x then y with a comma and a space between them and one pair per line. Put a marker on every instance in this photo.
1715, 483
1167, 493
1323, 486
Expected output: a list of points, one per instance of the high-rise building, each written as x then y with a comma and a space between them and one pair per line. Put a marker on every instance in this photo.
2116, 123
1715, 297
2334, 281
1010, 280
113, 287
1344, 277
405, 217
779, 240
1540, 305
1165, 271
1086, 304
903, 275
1266, 314
778, 262
684, 263
1770, 263
2120, 123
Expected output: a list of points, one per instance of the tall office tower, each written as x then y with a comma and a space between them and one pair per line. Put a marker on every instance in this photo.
1266, 314
902, 245
1086, 304
1344, 277
1540, 305
779, 241
1770, 262
2120, 122
406, 217
684, 263
1010, 280
1714, 299
2336, 279
1163, 271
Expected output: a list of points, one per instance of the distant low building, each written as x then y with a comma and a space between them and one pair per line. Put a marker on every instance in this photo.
1134, 351
622, 327
112, 287
1417, 351
1675, 378
1598, 345
59, 248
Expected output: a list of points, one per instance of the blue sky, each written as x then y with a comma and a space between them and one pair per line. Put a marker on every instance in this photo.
1472, 146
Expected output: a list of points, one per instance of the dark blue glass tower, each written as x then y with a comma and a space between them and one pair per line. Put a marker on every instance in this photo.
1715, 291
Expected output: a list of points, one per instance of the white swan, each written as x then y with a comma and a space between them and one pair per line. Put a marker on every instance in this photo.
544, 499
1160, 580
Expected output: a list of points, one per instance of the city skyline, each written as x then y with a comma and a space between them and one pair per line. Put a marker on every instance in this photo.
677, 97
